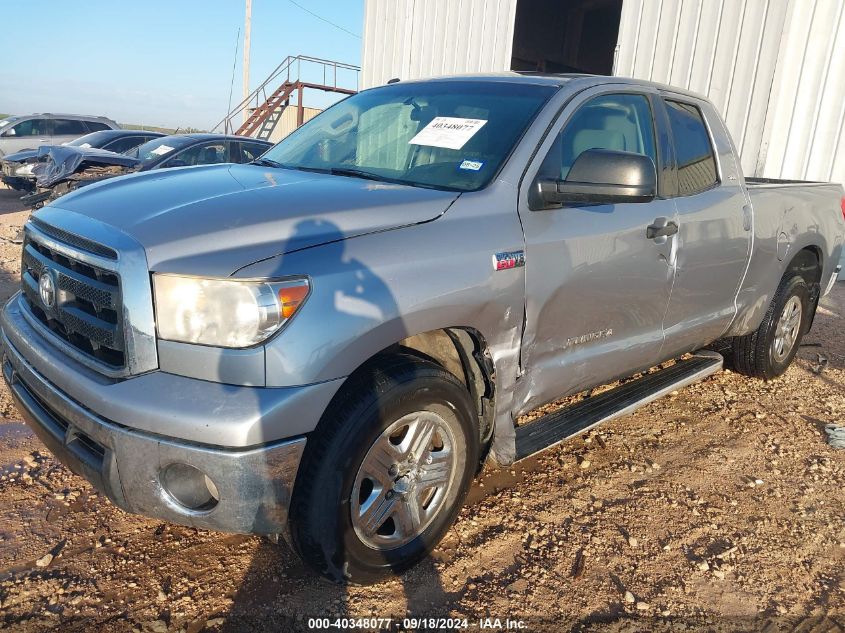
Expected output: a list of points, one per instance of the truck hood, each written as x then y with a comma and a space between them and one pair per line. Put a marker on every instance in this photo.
217, 219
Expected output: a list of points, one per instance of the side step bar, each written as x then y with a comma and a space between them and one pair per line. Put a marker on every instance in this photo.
555, 427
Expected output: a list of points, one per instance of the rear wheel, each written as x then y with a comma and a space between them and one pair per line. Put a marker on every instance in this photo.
386, 473
768, 352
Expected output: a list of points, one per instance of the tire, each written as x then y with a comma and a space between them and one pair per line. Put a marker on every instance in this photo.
380, 413
768, 352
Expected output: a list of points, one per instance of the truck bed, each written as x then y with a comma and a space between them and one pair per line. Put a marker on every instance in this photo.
791, 203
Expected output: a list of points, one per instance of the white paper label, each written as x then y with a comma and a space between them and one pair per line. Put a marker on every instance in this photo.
162, 149
449, 132
86, 145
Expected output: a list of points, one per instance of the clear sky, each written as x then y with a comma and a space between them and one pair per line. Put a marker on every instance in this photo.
158, 62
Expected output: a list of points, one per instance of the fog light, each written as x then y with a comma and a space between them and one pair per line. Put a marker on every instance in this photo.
190, 487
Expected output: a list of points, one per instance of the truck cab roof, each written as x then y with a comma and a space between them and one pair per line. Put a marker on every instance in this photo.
556, 79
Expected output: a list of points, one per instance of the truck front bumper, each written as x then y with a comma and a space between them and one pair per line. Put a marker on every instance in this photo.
145, 473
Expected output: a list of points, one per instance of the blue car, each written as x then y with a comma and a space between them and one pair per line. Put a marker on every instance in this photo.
60, 170
16, 170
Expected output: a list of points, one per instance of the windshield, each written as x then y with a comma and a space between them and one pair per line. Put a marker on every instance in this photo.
95, 139
446, 135
155, 149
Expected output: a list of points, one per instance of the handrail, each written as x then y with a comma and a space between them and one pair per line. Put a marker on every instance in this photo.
259, 95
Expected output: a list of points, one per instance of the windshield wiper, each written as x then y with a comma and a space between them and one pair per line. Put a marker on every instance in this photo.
340, 171
266, 162
356, 173
366, 175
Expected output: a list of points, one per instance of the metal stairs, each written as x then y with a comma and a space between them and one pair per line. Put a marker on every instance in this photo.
553, 428
294, 75
265, 116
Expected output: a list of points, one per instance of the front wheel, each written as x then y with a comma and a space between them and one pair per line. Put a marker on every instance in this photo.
768, 352
386, 473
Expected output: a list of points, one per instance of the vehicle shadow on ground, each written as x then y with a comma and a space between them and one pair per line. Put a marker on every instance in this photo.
10, 201
278, 591
820, 352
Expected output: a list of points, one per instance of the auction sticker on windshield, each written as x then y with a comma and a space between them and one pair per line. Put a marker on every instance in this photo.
162, 149
449, 132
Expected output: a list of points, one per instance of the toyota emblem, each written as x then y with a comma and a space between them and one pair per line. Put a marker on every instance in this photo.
47, 289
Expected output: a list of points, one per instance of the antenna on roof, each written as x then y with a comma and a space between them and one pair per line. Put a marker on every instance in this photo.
395, 80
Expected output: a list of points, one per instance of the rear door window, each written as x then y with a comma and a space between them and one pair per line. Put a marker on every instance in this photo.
96, 126
693, 150
124, 144
205, 154
69, 127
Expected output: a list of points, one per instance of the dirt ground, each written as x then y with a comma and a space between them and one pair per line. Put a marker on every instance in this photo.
720, 507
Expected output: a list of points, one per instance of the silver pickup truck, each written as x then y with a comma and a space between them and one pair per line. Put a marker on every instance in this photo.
327, 343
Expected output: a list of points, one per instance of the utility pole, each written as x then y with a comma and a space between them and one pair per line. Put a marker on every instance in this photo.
246, 57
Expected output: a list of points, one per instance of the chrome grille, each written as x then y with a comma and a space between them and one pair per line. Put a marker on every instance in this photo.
74, 240
87, 310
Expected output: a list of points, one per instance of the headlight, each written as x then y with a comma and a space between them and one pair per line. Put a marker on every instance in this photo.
25, 170
224, 312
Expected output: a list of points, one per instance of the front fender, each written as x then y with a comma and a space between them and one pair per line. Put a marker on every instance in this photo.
372, 291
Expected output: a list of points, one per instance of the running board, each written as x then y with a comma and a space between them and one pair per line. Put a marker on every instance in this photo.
555, 427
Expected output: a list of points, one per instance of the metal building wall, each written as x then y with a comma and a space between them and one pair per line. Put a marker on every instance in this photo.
805, 129
425, 38
724, 49
774, 68
287, 122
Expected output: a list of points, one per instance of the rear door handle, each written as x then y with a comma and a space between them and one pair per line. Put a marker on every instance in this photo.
662, 227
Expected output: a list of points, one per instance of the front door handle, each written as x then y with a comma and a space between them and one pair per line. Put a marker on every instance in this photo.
747, 217
662, 227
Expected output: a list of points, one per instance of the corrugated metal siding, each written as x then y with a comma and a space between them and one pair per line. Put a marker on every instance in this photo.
287, 122
775, 69
724, 49
805, 130
425, 38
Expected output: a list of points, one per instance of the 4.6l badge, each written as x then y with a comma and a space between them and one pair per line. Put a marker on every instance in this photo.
508, 260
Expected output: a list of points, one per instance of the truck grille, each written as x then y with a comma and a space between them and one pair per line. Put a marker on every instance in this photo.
86, 307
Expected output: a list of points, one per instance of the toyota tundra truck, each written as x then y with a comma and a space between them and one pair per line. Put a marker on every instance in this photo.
326, 344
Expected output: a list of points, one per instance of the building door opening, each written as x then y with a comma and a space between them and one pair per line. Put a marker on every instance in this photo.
566, 36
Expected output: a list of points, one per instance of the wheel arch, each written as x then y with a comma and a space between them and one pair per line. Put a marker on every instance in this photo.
462, 351
759, 288
809, 264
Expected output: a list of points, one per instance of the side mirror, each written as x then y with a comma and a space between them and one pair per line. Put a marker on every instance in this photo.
601, 176
176, 162
10, 132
